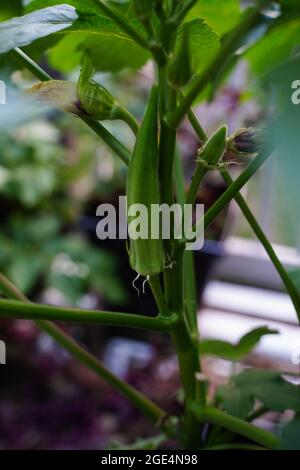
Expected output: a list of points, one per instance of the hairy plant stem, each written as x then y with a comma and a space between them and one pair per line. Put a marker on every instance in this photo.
186, 350
229, 45
33, 311
146, 406
287, 281
238, 426
190, 291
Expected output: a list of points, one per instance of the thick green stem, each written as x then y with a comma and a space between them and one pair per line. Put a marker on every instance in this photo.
146, 406
238, 426
230, 44
186, 349
33, 311
190, 291
126, 116
166, 158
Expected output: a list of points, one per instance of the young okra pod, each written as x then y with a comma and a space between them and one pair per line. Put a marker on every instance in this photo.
146, 253
214, 148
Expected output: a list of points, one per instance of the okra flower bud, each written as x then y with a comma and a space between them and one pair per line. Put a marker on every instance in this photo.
86, 98
97, 102
180, 69
244, 141
90, 100
59, 94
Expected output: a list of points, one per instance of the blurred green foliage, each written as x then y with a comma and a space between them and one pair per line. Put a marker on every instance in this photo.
41, 244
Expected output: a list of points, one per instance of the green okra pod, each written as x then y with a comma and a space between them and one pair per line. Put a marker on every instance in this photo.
146, 253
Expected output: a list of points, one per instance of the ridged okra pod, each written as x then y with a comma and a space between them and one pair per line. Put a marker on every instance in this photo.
146, 253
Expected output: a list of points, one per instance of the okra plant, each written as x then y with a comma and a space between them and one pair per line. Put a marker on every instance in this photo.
192, 53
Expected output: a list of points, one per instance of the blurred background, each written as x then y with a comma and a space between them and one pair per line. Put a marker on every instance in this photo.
53, 175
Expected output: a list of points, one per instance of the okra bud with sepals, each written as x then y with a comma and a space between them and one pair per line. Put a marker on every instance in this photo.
86, 98
214, 147
96, 101
146, 254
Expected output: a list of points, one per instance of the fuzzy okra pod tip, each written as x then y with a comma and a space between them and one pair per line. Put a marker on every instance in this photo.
146, 253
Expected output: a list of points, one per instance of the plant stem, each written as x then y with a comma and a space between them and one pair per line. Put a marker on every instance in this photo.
231, 446
126, 116
122, 23
146, 406
32, 66
158, 295
190, 292
114, 144
287, 281
218, 417
179, 17
100, 130
230, 44
186, 349
166, 158
233, 189
33, 311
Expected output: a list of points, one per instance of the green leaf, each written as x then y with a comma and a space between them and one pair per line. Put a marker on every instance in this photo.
235, 352
23, 30
25, 270
203, 43
220, 15
234, 401
275, 47
111, 49
267, 386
